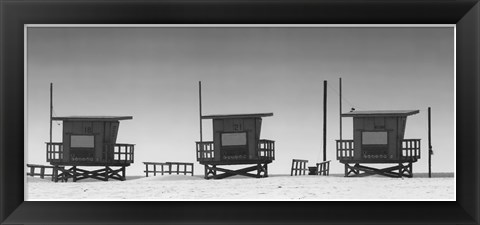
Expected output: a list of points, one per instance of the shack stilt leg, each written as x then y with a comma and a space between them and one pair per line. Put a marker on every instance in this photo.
74, 171
346, 170
259, 169
107, 170
146, 170
400, 170
266, 170
55, 174
42, 172
206, 172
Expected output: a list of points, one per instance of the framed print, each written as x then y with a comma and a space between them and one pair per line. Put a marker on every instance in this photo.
252, 83
220, 106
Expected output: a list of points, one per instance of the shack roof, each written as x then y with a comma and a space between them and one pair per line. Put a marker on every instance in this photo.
232, 116
92, 118
382, 113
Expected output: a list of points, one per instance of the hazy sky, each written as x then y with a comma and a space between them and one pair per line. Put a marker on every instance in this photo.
152, 74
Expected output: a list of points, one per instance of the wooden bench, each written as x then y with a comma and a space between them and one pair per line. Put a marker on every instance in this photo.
42, 168
299, 166
168, 168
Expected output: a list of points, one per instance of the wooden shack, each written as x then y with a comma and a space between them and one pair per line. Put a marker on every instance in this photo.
90, 141
378, 137
236, 141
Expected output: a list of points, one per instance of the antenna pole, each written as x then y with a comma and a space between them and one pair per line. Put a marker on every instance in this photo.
200, 112
430, 152
51, 111
340, 112
324, 120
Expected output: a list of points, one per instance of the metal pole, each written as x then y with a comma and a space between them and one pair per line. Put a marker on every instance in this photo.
429, 144
51, 111
200, 112
324, 120
340, 112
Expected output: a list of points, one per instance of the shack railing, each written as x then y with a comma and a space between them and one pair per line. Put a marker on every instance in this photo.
54, 151
123, 153
205, 151
411, 149
344, 149
266, 149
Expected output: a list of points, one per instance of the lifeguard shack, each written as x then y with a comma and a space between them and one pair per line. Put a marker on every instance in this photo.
378, 138
88, 141
236, 141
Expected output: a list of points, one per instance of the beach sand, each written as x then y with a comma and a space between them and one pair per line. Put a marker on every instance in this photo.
274, 187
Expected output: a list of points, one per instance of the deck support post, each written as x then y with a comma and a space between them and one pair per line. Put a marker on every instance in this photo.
146, 170
74, 171
55, 174
210, 170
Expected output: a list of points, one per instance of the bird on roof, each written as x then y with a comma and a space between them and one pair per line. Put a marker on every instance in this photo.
353, 109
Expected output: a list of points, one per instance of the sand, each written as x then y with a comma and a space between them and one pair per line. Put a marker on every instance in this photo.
275, 187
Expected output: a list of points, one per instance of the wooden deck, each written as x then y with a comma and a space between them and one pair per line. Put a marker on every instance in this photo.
122, 155
206, 154
236, 162
410, 152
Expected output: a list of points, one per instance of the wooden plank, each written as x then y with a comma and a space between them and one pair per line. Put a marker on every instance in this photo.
146, 170
37, 165
291, 170
42, 172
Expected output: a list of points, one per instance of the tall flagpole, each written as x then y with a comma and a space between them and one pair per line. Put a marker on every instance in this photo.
200, 112
324, 120
340, 112
51, 111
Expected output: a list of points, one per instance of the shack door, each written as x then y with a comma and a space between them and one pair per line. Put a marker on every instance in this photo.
234, 145
82, 148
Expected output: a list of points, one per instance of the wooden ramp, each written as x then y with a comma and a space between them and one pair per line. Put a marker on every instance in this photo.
168, 168
32, 168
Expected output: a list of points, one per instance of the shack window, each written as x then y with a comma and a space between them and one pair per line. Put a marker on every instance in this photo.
234, 139
82, 141
374, 138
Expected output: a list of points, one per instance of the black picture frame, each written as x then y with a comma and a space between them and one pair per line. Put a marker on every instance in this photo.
14, 14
